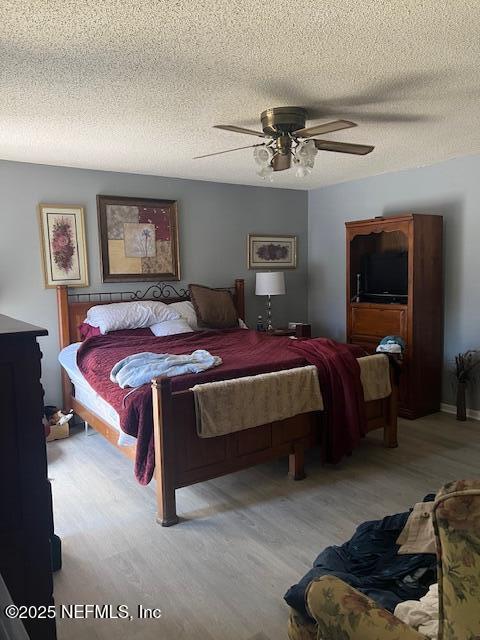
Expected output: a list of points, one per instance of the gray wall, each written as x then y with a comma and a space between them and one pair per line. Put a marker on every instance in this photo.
214, 220
452, 189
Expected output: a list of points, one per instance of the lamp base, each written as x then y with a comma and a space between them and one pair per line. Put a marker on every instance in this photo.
269, 326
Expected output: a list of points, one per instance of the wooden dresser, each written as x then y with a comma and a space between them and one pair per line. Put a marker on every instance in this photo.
416, 316
26, 520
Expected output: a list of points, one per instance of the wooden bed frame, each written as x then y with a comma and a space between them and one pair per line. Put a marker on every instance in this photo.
182, 457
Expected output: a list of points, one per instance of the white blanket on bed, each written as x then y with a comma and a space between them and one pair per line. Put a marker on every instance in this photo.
140, 368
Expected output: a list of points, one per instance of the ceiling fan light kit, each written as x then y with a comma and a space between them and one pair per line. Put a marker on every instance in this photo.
284, 128
266, 172
304, 157
263, 155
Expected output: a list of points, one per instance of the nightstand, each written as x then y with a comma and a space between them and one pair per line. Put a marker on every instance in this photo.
301, 331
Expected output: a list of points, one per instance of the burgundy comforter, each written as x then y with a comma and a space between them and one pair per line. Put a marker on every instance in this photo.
244, 352
342, 391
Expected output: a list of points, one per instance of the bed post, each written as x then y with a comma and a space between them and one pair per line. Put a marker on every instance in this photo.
64, 336
390, 429
164, 451
240, 297
296, 469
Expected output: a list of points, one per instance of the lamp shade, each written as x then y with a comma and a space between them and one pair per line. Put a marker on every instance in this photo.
270, 284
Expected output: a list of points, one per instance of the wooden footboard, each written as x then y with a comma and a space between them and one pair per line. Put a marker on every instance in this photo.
182, 458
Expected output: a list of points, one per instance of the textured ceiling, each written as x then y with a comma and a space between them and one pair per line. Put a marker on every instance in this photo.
137, 85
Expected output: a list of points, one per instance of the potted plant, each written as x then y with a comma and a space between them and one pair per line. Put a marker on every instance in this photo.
465, 365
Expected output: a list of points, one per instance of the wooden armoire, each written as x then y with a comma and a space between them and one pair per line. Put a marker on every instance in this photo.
395, 287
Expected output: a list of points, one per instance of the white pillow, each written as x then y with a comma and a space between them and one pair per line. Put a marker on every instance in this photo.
129, 315
171, 327
187, 312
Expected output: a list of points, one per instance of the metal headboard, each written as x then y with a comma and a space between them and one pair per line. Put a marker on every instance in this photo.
160, 290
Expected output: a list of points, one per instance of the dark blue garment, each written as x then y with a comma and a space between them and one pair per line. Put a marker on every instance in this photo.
370, 563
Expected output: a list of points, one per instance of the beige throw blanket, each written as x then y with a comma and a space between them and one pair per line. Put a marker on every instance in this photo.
242, 403
233, 405
375, 377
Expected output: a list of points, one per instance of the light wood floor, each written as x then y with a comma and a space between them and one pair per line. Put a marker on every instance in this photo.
244, 539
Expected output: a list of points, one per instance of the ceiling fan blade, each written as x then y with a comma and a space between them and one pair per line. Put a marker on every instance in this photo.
281, 161
231, 127
343, 147
327, 127
218, 153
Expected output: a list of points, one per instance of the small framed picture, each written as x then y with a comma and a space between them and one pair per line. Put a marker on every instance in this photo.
138, 239
63, 245
278, 252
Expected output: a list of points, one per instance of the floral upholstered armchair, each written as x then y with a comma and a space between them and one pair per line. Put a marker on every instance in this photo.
339, 612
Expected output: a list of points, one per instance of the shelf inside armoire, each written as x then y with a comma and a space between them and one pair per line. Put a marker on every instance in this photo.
379, 305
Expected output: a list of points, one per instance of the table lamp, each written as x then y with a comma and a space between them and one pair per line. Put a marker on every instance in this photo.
270, 284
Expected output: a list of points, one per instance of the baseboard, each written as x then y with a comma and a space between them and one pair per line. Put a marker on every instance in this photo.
451, 408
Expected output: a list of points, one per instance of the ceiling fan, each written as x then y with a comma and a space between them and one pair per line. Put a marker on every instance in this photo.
289, 141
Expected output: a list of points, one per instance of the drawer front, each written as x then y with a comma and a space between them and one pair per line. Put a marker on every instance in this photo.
378, 322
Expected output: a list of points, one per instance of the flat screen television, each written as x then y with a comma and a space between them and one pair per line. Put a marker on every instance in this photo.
386, 274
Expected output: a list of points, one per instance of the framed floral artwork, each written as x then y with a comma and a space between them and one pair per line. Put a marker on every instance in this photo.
64, 252
138, 239
278, 252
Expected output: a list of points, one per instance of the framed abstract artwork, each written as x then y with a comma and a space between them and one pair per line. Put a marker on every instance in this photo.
138, 239
64, 252
277, 252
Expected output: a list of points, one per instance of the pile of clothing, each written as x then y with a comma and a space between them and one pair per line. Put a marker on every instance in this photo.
375, 563
421, 614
